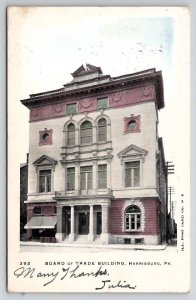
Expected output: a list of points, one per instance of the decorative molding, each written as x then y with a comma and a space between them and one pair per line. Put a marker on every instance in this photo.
103, 116
136, 120
132, 151
116, 97
58, 109
45, 160
45, 137
147, 91
141, 206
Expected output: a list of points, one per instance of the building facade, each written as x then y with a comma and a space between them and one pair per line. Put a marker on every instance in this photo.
96, 163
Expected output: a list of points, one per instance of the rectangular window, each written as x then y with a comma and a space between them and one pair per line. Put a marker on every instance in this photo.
37, 210
102, 103
132, 174
86, 178
71, 109
70, 179
127, 241
102, 176
45, 181
133, 222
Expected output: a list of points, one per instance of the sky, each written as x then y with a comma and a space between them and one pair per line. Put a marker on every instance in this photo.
47, 44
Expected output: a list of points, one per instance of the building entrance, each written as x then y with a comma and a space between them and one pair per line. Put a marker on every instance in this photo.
84, 223
99, 221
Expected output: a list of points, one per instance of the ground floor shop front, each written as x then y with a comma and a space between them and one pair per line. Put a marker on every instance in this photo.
118, 221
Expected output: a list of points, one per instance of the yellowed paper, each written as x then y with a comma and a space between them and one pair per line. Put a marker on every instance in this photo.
112, 254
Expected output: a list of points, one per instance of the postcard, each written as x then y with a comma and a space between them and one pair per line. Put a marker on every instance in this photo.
98, 149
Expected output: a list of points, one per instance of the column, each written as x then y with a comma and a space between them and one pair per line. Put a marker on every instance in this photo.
77, 142
91, 229
72, 234
95, 176
109, 173
105, 234
94, 134
77, 176
108, 131
60, 234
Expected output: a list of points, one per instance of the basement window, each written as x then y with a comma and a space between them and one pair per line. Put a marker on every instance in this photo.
139, 241
127, 241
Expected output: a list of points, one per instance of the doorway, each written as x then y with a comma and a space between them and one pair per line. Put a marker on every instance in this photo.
99, 222
84, 223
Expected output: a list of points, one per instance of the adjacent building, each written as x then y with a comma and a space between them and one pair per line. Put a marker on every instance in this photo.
96, 171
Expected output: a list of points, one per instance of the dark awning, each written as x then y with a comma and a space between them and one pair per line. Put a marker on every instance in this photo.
47, 222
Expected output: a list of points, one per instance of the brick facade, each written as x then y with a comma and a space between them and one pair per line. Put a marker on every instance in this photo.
151, 227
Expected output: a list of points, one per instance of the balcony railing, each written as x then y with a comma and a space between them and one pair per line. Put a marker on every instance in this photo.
92, 192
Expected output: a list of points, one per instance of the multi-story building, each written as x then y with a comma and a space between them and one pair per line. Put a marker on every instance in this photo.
96, 164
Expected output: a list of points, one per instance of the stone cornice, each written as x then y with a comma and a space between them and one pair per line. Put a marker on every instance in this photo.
114, 84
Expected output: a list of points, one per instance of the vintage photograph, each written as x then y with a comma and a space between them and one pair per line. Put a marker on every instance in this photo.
98, 149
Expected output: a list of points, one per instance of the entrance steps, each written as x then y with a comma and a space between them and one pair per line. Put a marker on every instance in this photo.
83, 239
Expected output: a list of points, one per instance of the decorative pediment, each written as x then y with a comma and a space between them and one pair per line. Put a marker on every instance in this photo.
132, 151
45, 160
89, 69
78, 71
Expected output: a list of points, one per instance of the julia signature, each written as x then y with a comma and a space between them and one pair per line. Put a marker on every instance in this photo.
120, 284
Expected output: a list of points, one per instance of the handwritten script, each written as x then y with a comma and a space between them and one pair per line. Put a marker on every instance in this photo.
72, 273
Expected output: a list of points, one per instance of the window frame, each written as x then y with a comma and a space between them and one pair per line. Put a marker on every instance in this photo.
68, 138
133, 216
101, 178
86, 136
132, 174
35, 213
69, 105
67, 181
98, 130
100, 99
133, 119
48, 133
86, 176
45, 181
44, 168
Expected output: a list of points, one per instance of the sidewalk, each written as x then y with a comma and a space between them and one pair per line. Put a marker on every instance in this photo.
98, 246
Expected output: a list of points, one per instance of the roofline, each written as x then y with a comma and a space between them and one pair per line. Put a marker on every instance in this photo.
135, 78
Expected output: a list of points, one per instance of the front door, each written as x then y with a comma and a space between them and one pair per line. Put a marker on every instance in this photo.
67, 222
99, 221
84, 223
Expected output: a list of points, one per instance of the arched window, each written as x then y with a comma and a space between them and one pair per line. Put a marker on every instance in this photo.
86, 132
71, 134
102, 130
133, 218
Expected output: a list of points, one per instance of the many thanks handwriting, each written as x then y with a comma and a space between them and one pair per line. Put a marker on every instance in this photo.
69, 273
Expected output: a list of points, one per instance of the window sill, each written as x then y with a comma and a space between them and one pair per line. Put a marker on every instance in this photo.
132, 187
44, 193
132, 230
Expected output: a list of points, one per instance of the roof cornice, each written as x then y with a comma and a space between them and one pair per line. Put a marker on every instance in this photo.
114, 84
